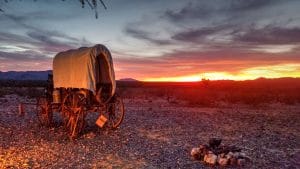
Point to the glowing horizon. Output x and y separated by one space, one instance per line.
277 71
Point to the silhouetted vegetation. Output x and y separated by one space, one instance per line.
23 83
30 88
204 93
93 4
214 93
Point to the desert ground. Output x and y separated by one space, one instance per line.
156 133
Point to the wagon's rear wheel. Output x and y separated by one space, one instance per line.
44 111
116 112
73 111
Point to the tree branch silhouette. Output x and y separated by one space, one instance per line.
92 4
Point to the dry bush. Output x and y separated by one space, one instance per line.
205 93
196 97
34 92
209 93
31 92
6 91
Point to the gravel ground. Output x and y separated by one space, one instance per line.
154 134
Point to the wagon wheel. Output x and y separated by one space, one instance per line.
44 111
73 111
116 112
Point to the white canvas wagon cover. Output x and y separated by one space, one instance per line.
84 68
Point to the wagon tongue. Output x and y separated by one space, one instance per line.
101 121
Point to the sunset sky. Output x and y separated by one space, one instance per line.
159 40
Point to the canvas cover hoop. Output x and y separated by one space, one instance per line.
85 68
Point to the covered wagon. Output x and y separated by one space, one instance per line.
83 81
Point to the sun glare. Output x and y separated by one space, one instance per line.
276 71
192 78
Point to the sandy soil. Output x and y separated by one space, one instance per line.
154 134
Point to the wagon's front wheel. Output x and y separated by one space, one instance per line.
73 109
44 111
116 112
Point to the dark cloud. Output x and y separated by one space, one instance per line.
20 20
271 35
48 43
268 35
208 35
208 9
10 38
146 36
181 63
43 41
197 20
193 35
39 14
241 5
42 38
221 25
190 11
199 35
229 55
34 46
25 60
23 56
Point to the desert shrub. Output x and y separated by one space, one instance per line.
20 91
161 92
31 92
2 92
196 96
5 91
34 92
205 101
208 93
288 98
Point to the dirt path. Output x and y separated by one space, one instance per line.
154 134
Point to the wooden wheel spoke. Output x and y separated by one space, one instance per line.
115 112
73 108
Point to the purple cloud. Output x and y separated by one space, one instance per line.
146 36
271 35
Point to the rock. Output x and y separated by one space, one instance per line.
242 155
204 149
222 155
247 158
241 162
222 161
229 155
90 135
201 146
220 150
210 158
234 148
232 161
214 142
196 153
236 155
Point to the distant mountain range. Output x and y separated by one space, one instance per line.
34 75
128 80
25 75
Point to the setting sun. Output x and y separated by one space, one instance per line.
192 78
276 71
